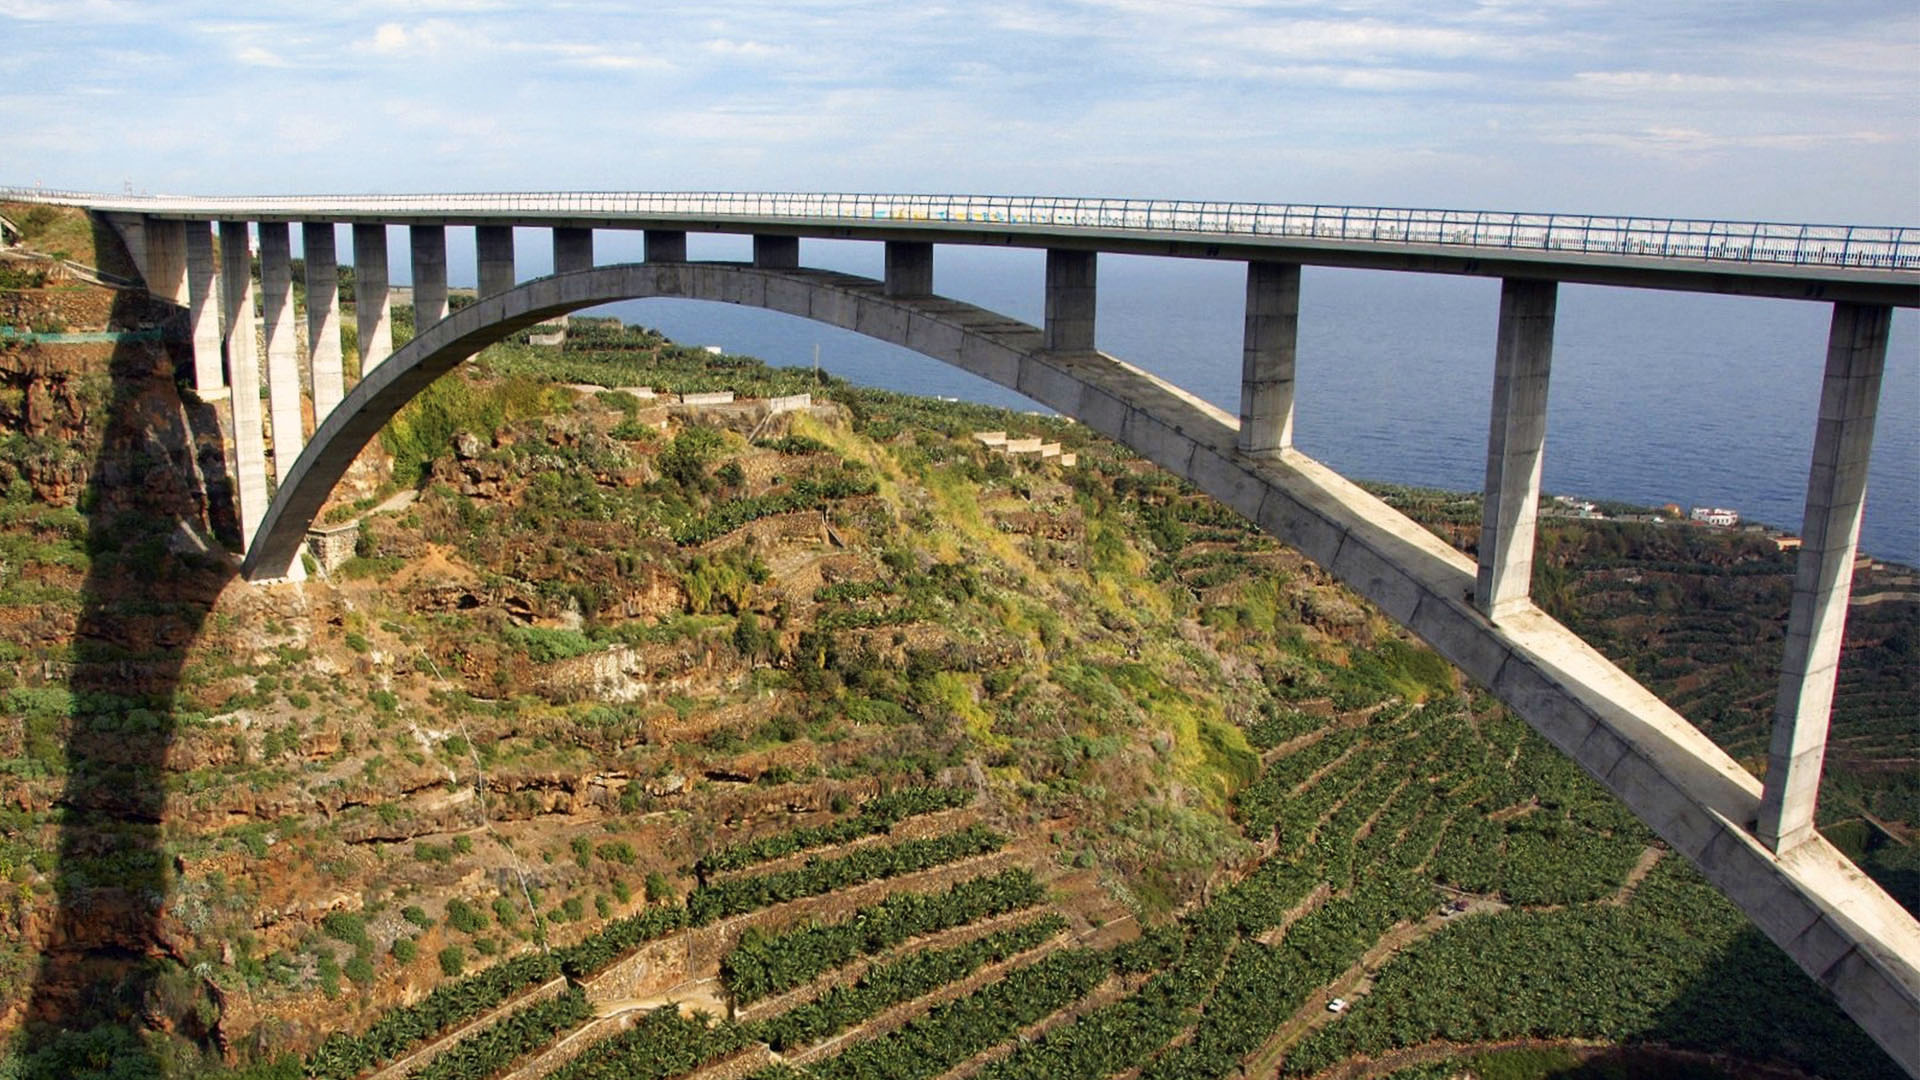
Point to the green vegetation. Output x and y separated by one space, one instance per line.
902 980
824 875
1677 965
342 1056
490 1050
765 964
880 814
956 1030
660 1045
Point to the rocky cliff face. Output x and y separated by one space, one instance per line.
114 488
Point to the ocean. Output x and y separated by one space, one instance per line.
1656 397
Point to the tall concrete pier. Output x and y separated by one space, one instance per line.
1070 300
1266 361
243 367
1830 534
372 300
493 250
283 354
427 244
317 243
1516 445
206 301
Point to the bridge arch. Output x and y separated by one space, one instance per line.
1847 934
987 344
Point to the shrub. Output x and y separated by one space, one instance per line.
504 912
659 889
453 960
329 971
464 917
686 458
345 926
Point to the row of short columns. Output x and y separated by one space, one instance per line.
217 292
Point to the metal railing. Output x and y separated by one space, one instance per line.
1858 246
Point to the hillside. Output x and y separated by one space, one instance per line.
889 753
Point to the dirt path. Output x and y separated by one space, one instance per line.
1355 982
698 995
1649 859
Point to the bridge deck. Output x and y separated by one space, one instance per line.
1862 264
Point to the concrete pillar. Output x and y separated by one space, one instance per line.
1070 301
1830 530
666 246
243 367
283 352
372 302
909 268
429 250
572 250
205 301
494 246
1266 360
323 317
166 269
776 252
1516 439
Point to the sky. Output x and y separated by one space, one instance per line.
1782 110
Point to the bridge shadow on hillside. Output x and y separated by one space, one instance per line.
111 970
1754 1001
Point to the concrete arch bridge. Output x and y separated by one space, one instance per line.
1754 841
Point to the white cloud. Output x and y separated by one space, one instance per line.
1534 102
1679 82
389 38
745 49
1682 141
425 39
72 11
257 56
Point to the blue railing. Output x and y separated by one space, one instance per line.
1866 247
